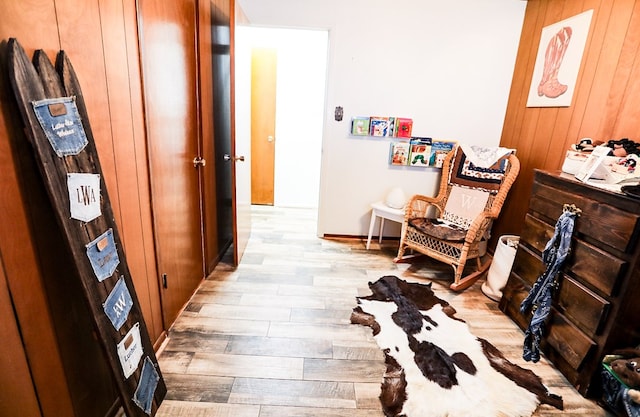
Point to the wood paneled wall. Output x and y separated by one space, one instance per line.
13 362
606 101
100 37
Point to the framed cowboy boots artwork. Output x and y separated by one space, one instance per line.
558 61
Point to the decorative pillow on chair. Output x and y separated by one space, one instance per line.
464 205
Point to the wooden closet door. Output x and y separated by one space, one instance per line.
169 58
264 63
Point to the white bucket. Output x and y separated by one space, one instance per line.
500 267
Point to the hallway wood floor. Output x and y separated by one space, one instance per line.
272 337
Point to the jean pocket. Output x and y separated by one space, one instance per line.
118 304
60 120
103 255
147 385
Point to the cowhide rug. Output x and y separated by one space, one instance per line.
435 366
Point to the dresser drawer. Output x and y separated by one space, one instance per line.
586 309
512 295
568 341
536 232
603 223
582 307
597 268
527 265
561 333
591 265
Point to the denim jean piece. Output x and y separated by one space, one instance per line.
118 304
541 294
103 255
143 397
60 120
130 351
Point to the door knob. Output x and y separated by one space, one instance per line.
199 161
228 157
269 138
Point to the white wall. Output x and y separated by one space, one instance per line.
446 64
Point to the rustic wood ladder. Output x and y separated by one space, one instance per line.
48 98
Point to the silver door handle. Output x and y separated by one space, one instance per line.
228 157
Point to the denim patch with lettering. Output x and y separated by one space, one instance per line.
103 255
60 120
143 397
118 304
84 196
130 351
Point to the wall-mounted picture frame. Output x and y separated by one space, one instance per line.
558 61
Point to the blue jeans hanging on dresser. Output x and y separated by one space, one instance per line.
541 294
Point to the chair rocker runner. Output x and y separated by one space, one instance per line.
451 226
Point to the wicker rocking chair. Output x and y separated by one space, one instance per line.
451 226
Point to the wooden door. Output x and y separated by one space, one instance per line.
263 124
211 104
241 146
169 58
227 221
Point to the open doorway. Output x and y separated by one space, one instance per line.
300 77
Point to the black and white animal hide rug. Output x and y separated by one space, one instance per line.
435 366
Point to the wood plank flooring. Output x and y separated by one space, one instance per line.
272 337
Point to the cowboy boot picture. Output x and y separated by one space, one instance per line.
549 85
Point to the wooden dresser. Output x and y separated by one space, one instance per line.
596 308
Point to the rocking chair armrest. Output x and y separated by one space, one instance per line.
479 226
418 205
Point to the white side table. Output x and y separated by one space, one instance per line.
380 209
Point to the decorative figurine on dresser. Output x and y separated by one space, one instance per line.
596 298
